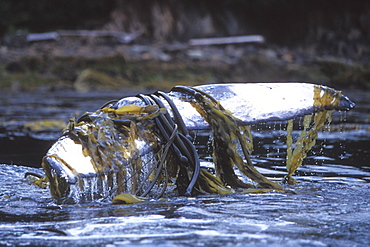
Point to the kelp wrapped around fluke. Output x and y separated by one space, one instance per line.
142 146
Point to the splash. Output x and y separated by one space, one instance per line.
323 99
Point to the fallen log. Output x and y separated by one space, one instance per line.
227 40
119 36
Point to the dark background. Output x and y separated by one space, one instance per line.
339 27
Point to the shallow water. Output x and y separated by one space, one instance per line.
329 206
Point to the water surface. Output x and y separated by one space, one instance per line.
328 206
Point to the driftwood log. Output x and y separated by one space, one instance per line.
121 37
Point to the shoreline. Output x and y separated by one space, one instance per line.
75 65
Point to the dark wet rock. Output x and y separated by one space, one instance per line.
94 80
345 73
14 67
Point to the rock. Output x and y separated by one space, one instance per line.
94 80
14 67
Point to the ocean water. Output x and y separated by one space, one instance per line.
327 207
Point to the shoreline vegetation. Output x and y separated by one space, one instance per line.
87 65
